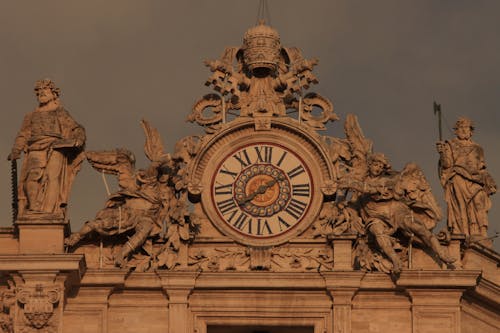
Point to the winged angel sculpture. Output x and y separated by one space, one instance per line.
387 208
151 204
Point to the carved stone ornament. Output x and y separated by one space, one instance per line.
37 304
7 303
276 259
261 79
53 144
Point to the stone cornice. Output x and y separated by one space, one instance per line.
43 262
488 290
486 252
438 279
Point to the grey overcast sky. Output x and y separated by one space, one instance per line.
118 61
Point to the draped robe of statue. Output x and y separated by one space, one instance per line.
53 145
467 186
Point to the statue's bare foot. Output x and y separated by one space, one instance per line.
72 239
396 267
119 261
447 259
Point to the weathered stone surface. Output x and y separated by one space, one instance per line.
260 224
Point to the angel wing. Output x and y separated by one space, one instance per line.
120 162
413 186
153 147
360 146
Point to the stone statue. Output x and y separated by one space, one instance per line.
391 201
466 182
151 202
53 146
138 207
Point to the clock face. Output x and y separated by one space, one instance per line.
262 190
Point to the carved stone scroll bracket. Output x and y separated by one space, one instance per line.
39 296
262 123
38 305
178 286
195 188
311 101
213 105
41 282
260 258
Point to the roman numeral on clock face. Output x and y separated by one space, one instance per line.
243 158
223 189
296 171
225 206
263 227
264 154
226 171
296 208
301 190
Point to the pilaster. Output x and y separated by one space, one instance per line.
342 286
178 286
435 297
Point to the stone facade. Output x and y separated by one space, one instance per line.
259 225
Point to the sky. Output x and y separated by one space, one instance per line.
386 61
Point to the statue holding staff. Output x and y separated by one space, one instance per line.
466 182
52 142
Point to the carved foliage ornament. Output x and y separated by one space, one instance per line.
38 304
261 79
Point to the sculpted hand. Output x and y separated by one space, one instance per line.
440 146
14 155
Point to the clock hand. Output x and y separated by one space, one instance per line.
260 190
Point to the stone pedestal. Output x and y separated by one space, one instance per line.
342 251
40 235
454 249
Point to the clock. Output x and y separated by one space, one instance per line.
262 190
261 187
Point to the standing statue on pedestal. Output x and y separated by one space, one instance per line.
466 182
53 146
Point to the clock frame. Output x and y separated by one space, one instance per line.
283 135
